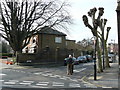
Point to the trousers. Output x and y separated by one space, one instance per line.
69 69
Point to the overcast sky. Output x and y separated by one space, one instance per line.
78 8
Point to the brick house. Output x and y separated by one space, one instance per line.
48 45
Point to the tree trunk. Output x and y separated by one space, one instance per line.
106 55
17 56
99 58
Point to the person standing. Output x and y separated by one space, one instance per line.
69 65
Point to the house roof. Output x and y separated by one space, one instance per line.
49 30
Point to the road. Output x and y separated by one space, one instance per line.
45 77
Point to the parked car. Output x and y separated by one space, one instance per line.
75 61
89 58
111 57
65 61
82 59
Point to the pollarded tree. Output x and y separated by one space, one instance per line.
104 40
94 29
22 19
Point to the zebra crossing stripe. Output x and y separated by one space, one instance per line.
52 76
25 83
38 86
42 83
57 76
13 81
49 74
28 81
9 82
2 74
1 80
44 74
38 73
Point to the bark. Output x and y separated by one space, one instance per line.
17 56
106 55
99 58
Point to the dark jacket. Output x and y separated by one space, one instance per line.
69 61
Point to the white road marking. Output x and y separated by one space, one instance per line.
1 80
87 64
106 87
38 73
79 70
74 85
43 83
90 85
1 74
9 82
38 86
58 84
58 76
44 74
49 74
13 81
63 78
23 72
66 77
25 83
75 80
28 81
52 76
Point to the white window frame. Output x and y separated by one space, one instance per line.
58 39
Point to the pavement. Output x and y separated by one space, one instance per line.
107 79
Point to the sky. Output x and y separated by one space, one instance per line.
78 8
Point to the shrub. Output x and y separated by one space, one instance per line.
6 54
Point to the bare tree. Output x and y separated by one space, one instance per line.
104 40
21 20
94 29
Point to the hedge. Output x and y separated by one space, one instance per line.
6 54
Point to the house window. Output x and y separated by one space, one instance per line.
58 39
